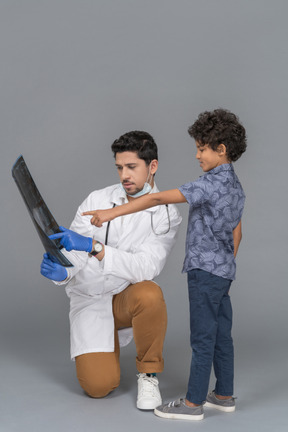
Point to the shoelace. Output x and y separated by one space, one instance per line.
150 386
174 403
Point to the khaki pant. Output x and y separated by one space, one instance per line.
142 307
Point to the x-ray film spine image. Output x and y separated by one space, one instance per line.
42 218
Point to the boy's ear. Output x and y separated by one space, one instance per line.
221 149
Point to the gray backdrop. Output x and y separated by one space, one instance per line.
75 75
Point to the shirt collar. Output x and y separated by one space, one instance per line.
119 197
220 168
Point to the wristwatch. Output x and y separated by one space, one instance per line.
98 247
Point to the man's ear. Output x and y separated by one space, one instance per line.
221 149
154 166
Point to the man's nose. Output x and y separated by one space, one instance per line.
125 173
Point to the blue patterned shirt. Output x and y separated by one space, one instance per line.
216 203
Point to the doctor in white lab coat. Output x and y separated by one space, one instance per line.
111 289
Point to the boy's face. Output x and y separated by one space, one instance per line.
209 158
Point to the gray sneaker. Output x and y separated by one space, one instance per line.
227 405
179 410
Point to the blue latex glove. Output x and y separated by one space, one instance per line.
52 270
73 241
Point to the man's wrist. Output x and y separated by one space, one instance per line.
90 245
93 244
64 281
101 254
97 252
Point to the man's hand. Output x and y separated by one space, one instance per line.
100 216
73 241
52 270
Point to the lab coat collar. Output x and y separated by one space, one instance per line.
119 197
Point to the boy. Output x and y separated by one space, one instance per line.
216 203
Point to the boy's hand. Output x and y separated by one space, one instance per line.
52 270
100 216
73 241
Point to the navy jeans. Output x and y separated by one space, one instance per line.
211 341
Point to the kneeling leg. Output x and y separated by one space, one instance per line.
98 373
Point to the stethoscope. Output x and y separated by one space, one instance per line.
152 226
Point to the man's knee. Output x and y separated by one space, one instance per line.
148 294
99 388
98 373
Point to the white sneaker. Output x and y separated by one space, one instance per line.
149 396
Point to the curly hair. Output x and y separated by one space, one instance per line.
220 127
137 141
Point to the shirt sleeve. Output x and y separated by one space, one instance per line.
196 193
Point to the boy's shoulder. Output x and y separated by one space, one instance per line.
217 182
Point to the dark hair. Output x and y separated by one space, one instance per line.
137 141
220 127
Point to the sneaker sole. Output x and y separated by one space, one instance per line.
174 416
219 407
146 406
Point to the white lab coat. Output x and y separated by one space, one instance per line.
134 253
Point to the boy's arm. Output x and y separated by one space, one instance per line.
237 236
172 196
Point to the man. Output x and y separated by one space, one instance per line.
110 287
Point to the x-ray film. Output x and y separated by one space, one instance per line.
42 218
